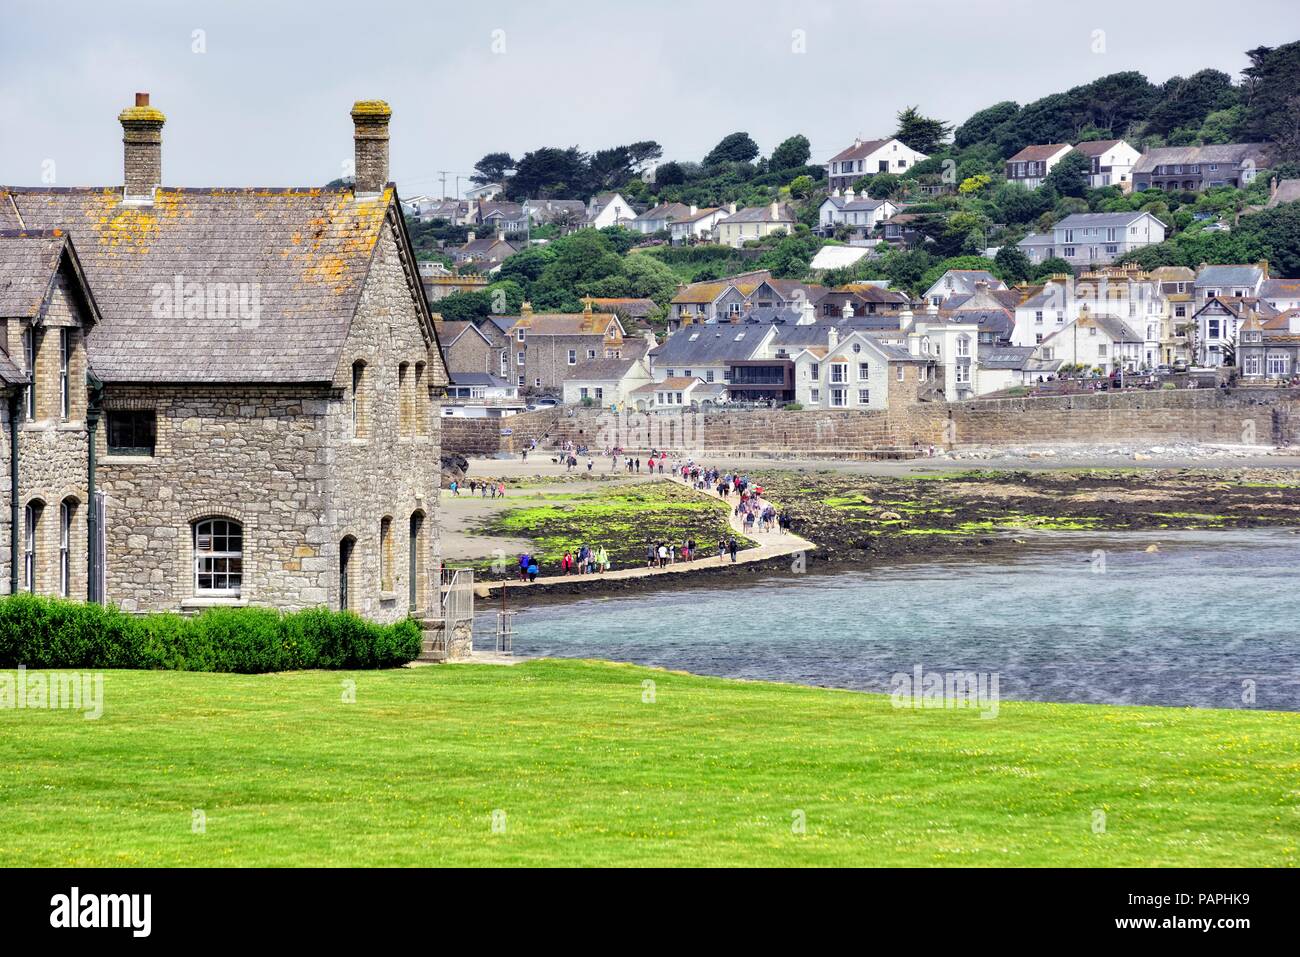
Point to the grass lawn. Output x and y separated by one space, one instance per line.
711 772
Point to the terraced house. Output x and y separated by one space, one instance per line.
218 396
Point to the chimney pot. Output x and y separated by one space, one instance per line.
141 149
370 138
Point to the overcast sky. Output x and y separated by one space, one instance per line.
266 101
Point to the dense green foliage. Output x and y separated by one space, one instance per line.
46 633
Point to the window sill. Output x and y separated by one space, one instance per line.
111 459
387 596
214 601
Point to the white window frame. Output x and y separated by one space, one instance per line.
65 550
207 558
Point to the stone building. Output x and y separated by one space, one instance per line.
549 346
258 371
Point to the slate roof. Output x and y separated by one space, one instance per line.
857 205
305 252
1006 357
1093 220
479 378
630 307
988 320
1280 289
1232 154
1229 275
29 262
1039 153
1096 147
449 332
762 214
674 383
665 211
858 150
698 344
601 370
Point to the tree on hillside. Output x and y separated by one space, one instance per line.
921 133
1069 177
982 127
492 168
550 173
792 153
1011 265
1187 102
669 174
733 148
1271 80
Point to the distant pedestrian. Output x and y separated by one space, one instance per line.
731 547
532 570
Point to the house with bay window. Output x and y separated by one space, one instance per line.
1270 349
219 396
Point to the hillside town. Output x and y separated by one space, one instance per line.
1165 257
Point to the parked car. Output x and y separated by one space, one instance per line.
1180 365
1164 369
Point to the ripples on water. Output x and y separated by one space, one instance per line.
1184 626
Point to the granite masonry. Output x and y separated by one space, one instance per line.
261 376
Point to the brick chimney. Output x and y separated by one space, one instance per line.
141 149
370 136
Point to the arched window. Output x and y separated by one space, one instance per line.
404 404
360 419
31 535
67 515
415 559
345 571
218 557
420 403
386 554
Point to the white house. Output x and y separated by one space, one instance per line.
1094 239
867 158
609 209
952 345
855 371
1112 163
700 224
481 395
859 212
960 282
661 217
1095 342
605 382
678 392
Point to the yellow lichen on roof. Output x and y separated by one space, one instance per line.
129 228
353 229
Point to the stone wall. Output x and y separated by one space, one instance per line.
287 464
1237 417
380 487
762 431
52 452
471 436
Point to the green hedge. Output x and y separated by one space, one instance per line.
46 633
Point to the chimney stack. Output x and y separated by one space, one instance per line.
142 149
370 136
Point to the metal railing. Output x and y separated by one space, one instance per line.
456 594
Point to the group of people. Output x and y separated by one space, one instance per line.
662 554
585 560
484 489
